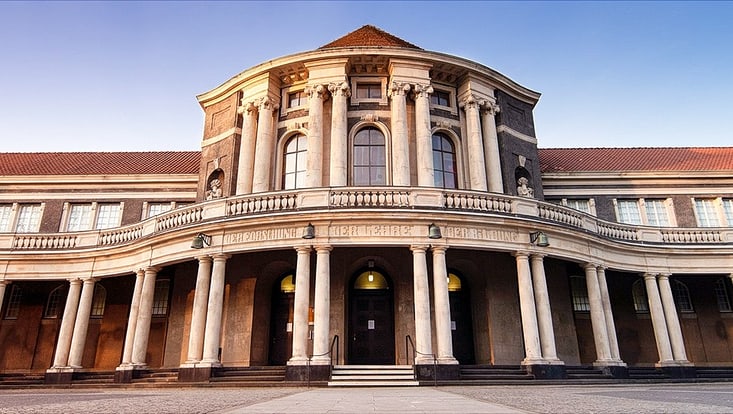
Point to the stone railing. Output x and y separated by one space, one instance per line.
324 199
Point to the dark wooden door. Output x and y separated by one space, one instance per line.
281 328
461 327
371 328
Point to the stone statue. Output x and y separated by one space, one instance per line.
523 188
215 189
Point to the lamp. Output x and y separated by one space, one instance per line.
539 238
309 232
200 240
434 232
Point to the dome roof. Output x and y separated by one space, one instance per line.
369 36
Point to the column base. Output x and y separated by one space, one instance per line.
194 373
430 372
305 373
59 375
324 360
297 361
679 370
546 370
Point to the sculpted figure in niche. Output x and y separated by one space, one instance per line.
523 188
214 189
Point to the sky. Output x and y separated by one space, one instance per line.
123 76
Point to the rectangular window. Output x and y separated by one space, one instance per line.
29 218
722 295
440 98
656 213
108 216
581 205
6 211
628 211
80 216
296 99
707 215
13 307
160 298
728 209
158 208
579 292
369 90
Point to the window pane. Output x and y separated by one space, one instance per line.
681 296
108 216
444 159
369 157
656 213
582 205
376 156
160 298
638 292
728 208
579 293
53 304
706 214
158 208
13 307
378 176
29 218
99 300
5 211
294 161
722 295
361 175
628 212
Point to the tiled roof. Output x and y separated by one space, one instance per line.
369 36
99 163
554 160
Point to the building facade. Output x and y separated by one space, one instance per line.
368 202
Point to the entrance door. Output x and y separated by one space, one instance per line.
371 322
281 321
461 321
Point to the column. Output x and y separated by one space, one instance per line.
597 317
245 167
658 323
61 357
198 315
81 325
338 172
264 146
476 163
608 314
442 307
300 307
132 318
533 353
424 136
491 148
544 313
144 317
314 161
3 284
423 336
673 323
212 336
322 321
400 143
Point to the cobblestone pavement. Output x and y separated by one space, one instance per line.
641 399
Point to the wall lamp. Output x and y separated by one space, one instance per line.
539 238
434 232
200 240
309 232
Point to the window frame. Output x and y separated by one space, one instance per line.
161 302
15 299
639 297
722 296
454 151
721 208
580 301
643 213
18 212
361 80
352 146
298 153
92 221
55 301
285 101
452 106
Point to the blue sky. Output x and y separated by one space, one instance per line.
111 76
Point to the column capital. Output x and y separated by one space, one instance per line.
422 90
323 248
266 104
152 269
439 248
74 280
490 108
90 279
519 254
303 249
470 102
399 88
247 107
648 276
5 282
535 255
221 256
204 258
140 271
590 265
340 89
419 247
316 91
664 276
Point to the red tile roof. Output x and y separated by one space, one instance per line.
369 36
99 163
554 160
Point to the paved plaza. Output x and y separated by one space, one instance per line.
658 398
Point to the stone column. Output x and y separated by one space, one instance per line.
338 172
597 316
400 141
544 313
144 317
423 336
322 305
424 136
302 302
442 307
476 163
245 167
212 335
81 326
61 357
491 148
673 324
608 314
198 315
314 161
264 148
132 318
533 353
658 323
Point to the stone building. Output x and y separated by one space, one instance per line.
366 203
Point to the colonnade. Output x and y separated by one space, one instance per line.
667 331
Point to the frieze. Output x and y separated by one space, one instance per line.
480 234
371 230
263 235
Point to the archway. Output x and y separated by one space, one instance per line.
371 319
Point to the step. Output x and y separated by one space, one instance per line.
384 383
368 371
371 377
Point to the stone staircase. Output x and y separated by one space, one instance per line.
493 374
21 380
646 373
372 376
156 376
265 376
586 373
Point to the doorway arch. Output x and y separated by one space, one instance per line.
371 319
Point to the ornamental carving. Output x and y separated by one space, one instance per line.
267 104
422 90
490 108
470 102
399 89
523 188
247 107
316 91
340 89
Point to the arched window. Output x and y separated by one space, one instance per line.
638 293
682 297
370 161
444 162
579 292
287 285
54 303
98 301
294 162
13 307
371 279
